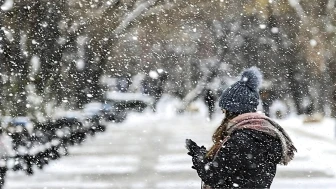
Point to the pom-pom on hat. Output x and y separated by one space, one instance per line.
243 96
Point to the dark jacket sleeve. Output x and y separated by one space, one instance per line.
232 157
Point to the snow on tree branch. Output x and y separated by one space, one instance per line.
331 4
298 8
142 7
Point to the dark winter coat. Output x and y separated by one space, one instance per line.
249 155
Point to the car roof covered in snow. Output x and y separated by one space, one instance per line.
117 96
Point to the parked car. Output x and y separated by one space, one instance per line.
129 101
92 109
20 130
108 111
23 123
114 112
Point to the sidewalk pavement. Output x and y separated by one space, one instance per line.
147 152
316 144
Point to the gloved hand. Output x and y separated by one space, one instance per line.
194 149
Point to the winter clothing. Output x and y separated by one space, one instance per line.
209 99
243 96
250 145
252 148
123 83
153 85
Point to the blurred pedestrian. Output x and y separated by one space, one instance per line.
153 85
247 145
209 100
267 96
123 83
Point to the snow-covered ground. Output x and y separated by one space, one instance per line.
147 151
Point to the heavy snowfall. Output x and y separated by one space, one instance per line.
103 93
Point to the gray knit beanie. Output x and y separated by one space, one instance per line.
243 96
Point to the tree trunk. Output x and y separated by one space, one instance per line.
332 71
20 67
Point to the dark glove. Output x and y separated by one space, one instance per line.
197 153
192 147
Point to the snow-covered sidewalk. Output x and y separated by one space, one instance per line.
315 141
316 154
147 151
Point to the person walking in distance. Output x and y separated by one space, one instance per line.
209 100
247 146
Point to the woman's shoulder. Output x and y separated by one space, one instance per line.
251 134
256 143
249 138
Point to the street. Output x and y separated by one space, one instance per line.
147 151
